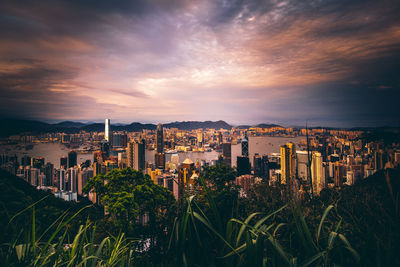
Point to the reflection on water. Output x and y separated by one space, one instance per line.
52 152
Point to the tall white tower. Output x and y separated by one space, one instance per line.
107 130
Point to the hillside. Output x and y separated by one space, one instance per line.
16 195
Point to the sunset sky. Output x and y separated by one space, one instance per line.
331 63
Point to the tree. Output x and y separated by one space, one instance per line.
219 181
219 177
135 204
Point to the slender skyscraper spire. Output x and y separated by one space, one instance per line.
107 130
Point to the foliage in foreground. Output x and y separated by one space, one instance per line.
316 234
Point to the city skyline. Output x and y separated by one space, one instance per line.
331 63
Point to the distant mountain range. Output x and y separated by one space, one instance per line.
15 126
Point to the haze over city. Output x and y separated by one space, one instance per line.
331 63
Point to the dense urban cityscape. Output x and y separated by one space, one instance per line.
210 133
334 158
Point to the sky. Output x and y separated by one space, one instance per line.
328 63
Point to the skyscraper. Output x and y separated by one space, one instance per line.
160 138
245 147
318 177
72 176
135 154
64 163
49 173
72 159
226 153
243 165
107 130
159 160
62 180
288 164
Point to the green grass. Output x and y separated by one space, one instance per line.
359 228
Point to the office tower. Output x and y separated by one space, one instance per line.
116 140
380 160
72 177
220 139
27 174
245 147
107 130
339 174
48 173
64 163
34 176
37 163
159 160
243 165
160 138
257 165
135 154
105 149
72 159
96 168
226 153
288 163
83 177
265 168
317 173
62 181
42 179
302 165
124 140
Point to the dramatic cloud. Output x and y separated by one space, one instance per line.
333 63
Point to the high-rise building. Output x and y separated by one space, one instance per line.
288 163
159 160
135 154
266 165
34 177
107 130
83 177
105 149
160 138
37 162
302 165
220 139
243 165
257 165
48 173
226 153
116 140
317 173
64 163
72 177
339 174
380 159
245 147
72 159
62 181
